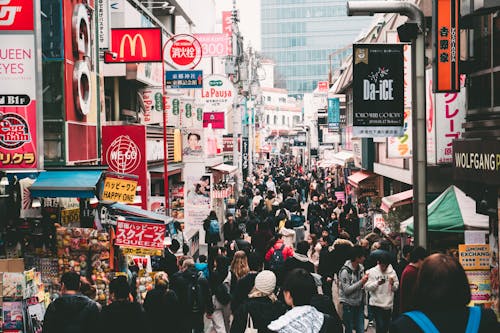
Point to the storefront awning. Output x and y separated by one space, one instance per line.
137 214
358 177
172 168
342 157
395 200
225 168
66 184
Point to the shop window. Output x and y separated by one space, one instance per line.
496 43
480 92
53 90
52 36
53 143
482 42
496 88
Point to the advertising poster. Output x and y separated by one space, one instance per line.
480 286
193 145
378 90
13 317
197 199
124 151
18 118
333 114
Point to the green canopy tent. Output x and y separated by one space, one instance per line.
452 211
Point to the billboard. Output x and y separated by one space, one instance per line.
19 147
124 151
197 198
132 45
192 143
445 25
334 114
378 90
214 45
217 93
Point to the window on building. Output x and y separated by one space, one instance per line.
275 122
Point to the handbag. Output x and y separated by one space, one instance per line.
250 328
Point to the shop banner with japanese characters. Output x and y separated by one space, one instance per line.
445 117
18 84
218 93
378 90
140 234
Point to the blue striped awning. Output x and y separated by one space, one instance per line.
66 184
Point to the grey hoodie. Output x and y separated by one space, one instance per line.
350 285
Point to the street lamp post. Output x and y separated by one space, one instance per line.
416 34
165 118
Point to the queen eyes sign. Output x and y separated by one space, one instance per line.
378 90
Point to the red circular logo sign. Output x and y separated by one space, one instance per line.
123 155
184 51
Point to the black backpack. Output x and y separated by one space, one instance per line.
195 300
277 259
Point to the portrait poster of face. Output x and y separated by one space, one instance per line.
192 145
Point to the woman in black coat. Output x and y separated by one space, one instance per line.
161 306
262 305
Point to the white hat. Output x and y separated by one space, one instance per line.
265 282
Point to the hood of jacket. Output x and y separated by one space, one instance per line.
300 319
301 257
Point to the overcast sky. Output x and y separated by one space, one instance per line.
249 19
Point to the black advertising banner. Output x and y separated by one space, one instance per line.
378 90
477 160
244 157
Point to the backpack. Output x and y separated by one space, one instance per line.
195 295
277 259
214 227
427 326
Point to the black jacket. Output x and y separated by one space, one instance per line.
123 317
243 287
262 310
448 321
180 284
161 306
231 231
209 237
292 263
71 314
168 263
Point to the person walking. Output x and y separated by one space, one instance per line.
409 279
72 312
161 306
382 283
261 307
211 226
299 259
442 295
221 296
352 280
122 315
246 283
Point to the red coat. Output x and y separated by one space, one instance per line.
287 251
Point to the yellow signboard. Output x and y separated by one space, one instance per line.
134 251
71 215
119 190
474 257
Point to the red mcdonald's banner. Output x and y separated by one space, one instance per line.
134 45
446 14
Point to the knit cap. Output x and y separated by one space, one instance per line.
265 282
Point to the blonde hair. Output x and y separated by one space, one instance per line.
161 279
239 265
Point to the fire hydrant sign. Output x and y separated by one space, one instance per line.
474 256
140 235
119 190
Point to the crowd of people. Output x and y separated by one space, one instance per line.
288 259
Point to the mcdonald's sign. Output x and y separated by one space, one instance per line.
134 45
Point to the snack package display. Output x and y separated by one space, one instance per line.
13 316
144 283
13 286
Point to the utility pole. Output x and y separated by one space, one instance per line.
236 114
413 31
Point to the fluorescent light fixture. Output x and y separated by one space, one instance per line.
4 181
36 203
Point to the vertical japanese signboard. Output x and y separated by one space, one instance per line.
244 157
446 45
378 90
333 114
18 86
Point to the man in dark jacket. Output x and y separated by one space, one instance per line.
161 306
194 297
298 260
168 263
72 312
122 315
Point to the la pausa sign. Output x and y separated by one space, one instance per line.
217 93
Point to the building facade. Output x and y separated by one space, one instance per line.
314 31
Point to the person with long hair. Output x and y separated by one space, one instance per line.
238 269
221 296
442 294
314 250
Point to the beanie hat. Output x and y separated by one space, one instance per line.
265 282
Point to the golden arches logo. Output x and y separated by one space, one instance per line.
132 42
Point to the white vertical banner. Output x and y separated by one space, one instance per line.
430 116
103 28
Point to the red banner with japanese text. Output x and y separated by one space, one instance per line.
140 234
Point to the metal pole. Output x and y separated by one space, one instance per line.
419 158
165 145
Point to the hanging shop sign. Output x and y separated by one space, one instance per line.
227 27
334 114
17 15
124 151
474 256
378 90
103 18
132 45
134 251
214 45
119 190
445 25
214 119
478 160
18 83
244 157
184 50
398 147
151 101
140 234
217 93
183 79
